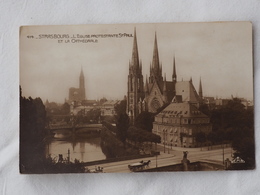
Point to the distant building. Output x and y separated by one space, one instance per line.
78 94
210 102
157 91
222 102
108 108
77 98
179 122
83 107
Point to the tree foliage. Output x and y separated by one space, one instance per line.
233 123
139 135
145 121
120 108
122 126
32 132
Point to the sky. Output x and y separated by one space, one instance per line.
220 53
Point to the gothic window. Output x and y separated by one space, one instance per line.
155 104
131 99
138 84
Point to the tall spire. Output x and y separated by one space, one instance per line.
81 72
82 85
155 63
174 75
191 79
146 85
164 83
200 90
135 57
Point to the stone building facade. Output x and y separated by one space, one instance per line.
78 94
157 92
179 122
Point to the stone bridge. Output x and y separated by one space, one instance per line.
91 127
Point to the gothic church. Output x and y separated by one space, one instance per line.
156 92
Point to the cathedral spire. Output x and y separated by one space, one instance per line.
155 63
200 90
140 67
135 57
81 72
174 75
146 85
164 83
82 85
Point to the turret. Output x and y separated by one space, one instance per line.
135 57
174 75
155 72
200 90
82 86
146 86
165 89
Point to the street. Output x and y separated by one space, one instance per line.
174 156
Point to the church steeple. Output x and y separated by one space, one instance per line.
82 85
155 63
165 89
146 86
156 70
135 57
174 75
135 93
164 84
200 90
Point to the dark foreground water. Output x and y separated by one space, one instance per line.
84 150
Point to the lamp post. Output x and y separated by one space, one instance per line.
156 154
223 153
164 139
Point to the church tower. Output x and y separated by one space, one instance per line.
155 68
135 90
82 92
200 91
174 77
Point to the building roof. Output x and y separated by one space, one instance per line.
187 91
184 109
110 103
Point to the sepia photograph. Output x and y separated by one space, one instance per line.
125 98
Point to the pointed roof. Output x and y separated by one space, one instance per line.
155 63
184 109
135 57
146 85
187 91
164 83
81 72
174 75
200 89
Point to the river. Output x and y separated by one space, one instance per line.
84 150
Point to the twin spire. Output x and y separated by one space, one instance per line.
155 66
134 64
155 62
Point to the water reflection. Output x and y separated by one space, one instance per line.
83 150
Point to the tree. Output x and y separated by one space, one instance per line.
120 108
235 124
204 109
122 126
32 132
200 137
145 121
65 109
